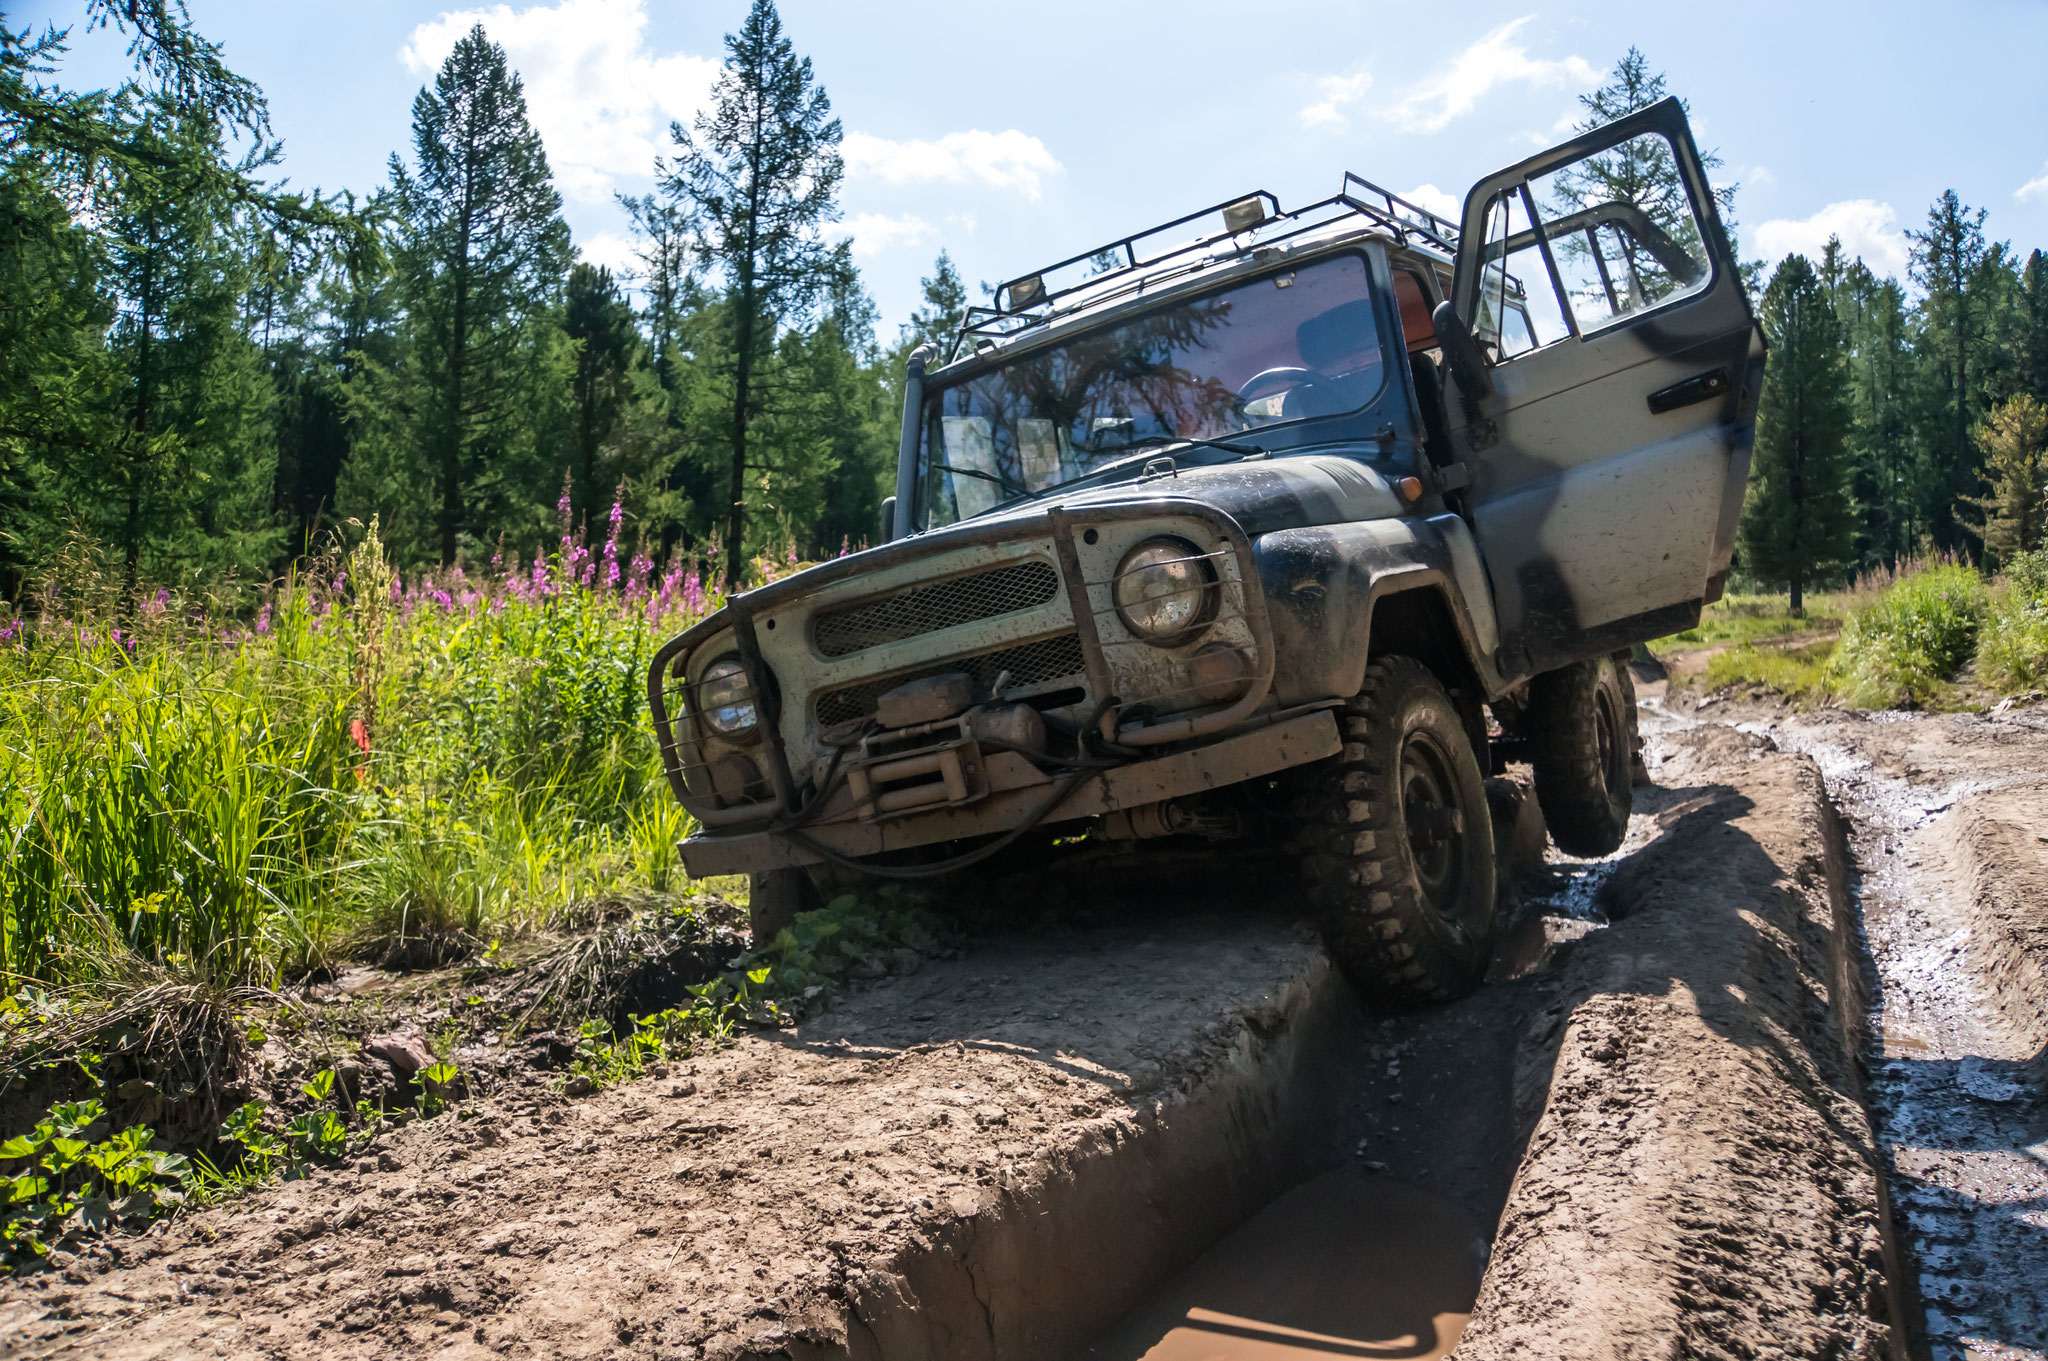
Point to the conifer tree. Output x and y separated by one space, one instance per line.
760 179
1946 260
1797 520
480 251
2014 438
2034 325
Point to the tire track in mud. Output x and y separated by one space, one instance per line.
1957 1011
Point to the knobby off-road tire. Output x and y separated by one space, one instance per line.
1581 725
1400 854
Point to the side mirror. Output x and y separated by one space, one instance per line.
1462 353
887 529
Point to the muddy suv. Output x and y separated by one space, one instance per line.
1263 546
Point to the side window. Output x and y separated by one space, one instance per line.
1623 236
1623 230
1518 309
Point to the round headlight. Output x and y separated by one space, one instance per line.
725 699
1165 591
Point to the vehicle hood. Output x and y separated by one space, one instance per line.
1262 495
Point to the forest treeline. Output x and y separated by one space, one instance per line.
199 372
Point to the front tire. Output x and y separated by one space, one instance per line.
1400 859
1582 726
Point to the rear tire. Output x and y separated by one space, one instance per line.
1582 728
1400 861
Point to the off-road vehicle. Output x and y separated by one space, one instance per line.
1235 533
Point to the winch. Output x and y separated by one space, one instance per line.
928 752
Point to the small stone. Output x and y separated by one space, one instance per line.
579 1085
447 1318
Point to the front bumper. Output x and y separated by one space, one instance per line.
1244 755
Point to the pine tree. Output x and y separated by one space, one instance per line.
1642 171
480 251
1946 260
760 179
2014 438
2034 325
1798 522
185 483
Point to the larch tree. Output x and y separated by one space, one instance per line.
760 179
480 251
2014 438
1798 521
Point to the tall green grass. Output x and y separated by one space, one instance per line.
2012 651
360 764
1913 639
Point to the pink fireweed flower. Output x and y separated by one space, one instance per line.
845 544
443 599
263 619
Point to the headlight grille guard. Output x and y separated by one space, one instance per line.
1251 602
741 610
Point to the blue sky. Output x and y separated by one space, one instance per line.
1017 134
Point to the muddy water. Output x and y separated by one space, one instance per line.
1346 1264
1964 1132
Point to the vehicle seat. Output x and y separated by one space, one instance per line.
1429 395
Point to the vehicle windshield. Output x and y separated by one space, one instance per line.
1292 346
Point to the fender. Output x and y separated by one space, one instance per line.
1324 583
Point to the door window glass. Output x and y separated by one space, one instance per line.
1623 230
1518 309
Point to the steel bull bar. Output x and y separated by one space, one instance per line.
746 838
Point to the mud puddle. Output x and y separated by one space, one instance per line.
1955 1066
1346 1264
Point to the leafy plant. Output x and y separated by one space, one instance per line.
67 1184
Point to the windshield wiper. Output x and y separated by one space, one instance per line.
1005 483
1148 449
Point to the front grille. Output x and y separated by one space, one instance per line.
1030 666
928 609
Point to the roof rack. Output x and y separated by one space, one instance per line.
1250 220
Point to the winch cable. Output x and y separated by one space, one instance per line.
1066 785
1039 814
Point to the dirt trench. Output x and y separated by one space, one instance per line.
1951 847
1177 1135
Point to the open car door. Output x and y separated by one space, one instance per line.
1608 431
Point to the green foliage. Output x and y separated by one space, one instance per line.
1901 649
760 179
1800 674
2015 442
1797 522
62 1182
2012 651
410 769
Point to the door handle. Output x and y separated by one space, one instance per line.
1701 387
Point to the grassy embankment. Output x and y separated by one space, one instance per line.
1932 635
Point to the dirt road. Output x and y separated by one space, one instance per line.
1180 1134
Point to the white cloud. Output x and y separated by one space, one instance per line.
2034 188
1001 160
1338 94
1867 228
1494 60
611 250
601 100
874 233
1436 200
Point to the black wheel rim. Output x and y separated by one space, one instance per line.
1435 825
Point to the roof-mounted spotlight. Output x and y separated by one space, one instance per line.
1244 214
1019 294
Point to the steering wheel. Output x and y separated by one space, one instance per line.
1286 378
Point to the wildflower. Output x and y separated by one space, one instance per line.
359 734
443 599
845 541
263 620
